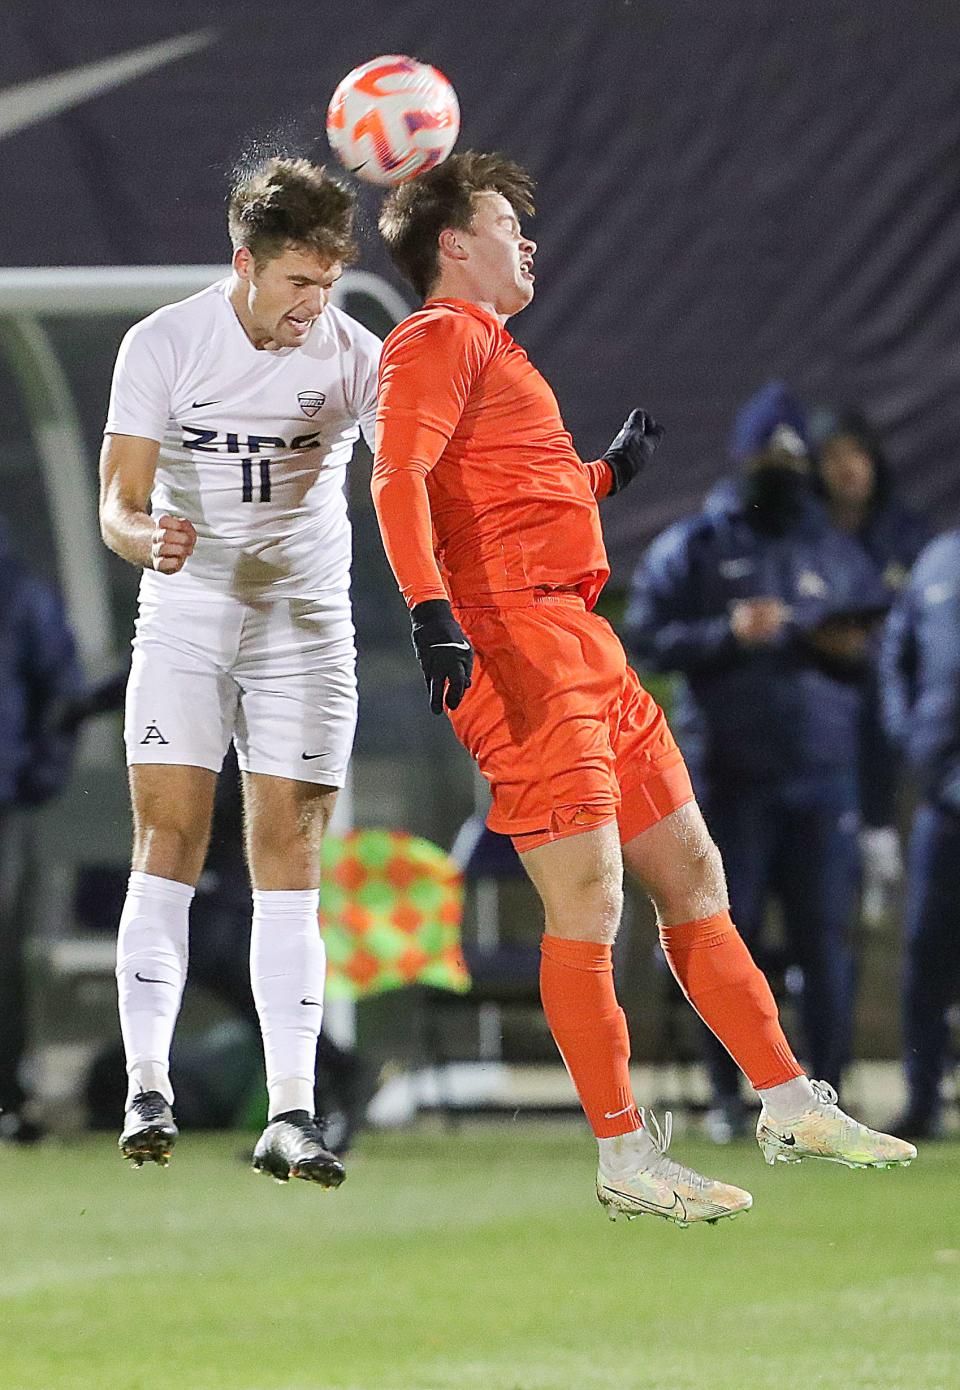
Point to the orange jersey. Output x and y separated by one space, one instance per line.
478 488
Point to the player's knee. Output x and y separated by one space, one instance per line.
170 848
707 872
698 888
590 906
298 833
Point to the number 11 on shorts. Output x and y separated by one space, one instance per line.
246 466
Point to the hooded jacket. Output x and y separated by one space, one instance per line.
765 712
920 671
892 533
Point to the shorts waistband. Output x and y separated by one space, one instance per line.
522 598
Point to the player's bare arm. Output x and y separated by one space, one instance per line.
127 467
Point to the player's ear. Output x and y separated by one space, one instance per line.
243 262
451 244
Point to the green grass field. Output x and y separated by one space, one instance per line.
474 1261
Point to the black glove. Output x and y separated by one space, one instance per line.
633 447
445 655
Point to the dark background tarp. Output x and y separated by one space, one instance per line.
726 192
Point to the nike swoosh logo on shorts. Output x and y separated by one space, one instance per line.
315 1002
146 980
308 757
198 405
460 646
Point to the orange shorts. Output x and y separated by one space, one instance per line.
561 727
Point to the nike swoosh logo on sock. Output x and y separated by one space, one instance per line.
146 980
615 1114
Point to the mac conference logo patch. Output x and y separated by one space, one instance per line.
310 402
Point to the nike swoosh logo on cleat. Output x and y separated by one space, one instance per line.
675 1208
789 1140
146 980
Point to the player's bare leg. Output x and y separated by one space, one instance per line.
579 879
285 824
680 867
172 808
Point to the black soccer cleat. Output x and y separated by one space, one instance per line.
149 1130
291 1146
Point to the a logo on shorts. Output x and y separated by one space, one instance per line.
311 401
153 735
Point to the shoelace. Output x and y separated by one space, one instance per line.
665 1167
150 1107
824 1092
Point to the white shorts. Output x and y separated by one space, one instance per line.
277 676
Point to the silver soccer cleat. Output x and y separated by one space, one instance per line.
827 1132
668 1189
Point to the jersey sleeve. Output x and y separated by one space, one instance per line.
361 392
428 369
143 382
601 478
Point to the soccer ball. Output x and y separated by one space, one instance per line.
392 118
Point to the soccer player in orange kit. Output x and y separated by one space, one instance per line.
490 521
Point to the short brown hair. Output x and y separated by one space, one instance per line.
416 212
291 202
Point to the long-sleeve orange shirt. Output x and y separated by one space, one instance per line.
478 489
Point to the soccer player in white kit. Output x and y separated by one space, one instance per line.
232 418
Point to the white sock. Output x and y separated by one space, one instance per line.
625 1153
152 948
789 1100
288 967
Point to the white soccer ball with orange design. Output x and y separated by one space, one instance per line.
392 118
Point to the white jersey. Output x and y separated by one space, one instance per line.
253 444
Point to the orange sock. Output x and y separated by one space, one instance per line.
717 974
588 1026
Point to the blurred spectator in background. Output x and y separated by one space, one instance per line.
920 668
39 675
766 610
855 482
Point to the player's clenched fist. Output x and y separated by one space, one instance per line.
633 448
173 540
445 655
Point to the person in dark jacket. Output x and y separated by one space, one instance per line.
38 676
766 608
920 667
853 477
